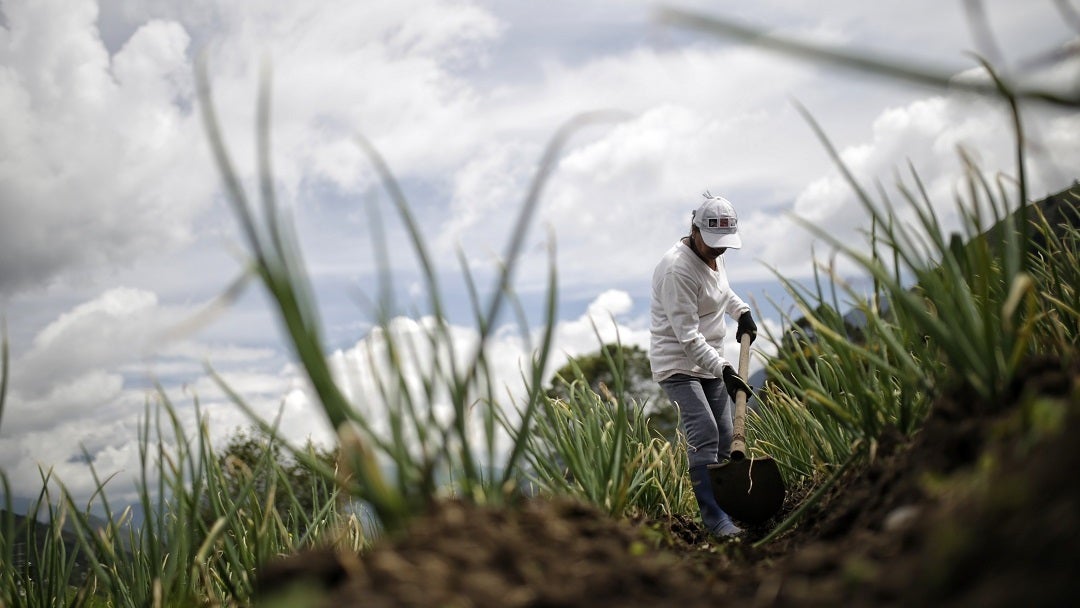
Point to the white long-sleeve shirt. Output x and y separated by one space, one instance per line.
689 301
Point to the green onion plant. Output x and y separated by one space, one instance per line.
601 448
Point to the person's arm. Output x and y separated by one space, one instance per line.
679 298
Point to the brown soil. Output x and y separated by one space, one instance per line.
980 508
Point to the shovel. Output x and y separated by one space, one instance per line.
750 490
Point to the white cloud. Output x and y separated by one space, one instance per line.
926 136
86 382
108 158
66 398
99 334
410 75
341 68
104 160
364 367
612 302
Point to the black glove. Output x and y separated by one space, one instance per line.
734 383
746 326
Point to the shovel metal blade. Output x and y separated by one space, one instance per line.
750 490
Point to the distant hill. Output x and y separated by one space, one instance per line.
29 533
1061 209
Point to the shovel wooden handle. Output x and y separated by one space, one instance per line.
738 434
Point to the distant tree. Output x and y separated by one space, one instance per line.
252 462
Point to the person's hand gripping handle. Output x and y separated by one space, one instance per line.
742 392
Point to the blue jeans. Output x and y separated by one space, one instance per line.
704 415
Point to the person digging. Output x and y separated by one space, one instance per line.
690 298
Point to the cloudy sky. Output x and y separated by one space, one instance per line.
115 232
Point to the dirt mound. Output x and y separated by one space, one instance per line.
980 508
543 553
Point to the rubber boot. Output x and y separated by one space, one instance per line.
716 521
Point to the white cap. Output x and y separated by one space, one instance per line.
718 223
